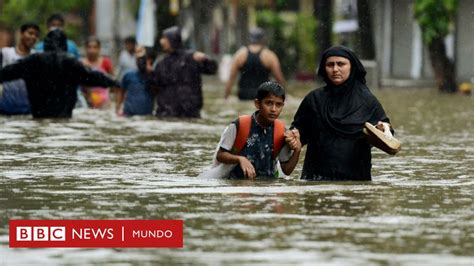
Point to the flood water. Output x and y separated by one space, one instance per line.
418 210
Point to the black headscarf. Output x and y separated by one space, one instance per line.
55 41
349 105
173 34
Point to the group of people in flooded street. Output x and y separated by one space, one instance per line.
50 80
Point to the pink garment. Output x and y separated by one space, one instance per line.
98 97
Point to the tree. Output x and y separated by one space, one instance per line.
164 17
366 39
323 13
201 21
14 13
435 18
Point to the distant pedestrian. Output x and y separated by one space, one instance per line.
14 96
178 77
56 21
255 62
138 97
127 60
97 97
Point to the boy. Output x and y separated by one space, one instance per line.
252 145
127 57
56 21
138 96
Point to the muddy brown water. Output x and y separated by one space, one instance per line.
417 210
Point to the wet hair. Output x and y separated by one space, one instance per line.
150 53
270 87
173 34
256 35
54 17
92 39
55 41
130 39
29 25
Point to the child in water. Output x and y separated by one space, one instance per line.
252 145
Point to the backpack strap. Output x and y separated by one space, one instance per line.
243 131
1 58
278 137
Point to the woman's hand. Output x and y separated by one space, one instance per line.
380 126
199 57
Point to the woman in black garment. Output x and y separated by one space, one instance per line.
330 120
178 77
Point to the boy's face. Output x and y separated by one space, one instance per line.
130 47
29 37
270 107
55 24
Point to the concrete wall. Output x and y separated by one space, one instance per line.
113 21
382 37
402 34
464 42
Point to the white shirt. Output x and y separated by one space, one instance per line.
220 170
10 56
228 139
127 62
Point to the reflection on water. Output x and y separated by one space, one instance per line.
418 209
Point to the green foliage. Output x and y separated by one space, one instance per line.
15 13
133 6
296 49
302 38
281 4
273 25
268 18
435 17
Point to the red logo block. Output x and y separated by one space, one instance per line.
96 233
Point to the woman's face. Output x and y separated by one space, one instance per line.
93 49
338 69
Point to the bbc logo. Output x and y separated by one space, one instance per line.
41 233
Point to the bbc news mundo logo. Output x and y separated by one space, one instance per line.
96 233
41 233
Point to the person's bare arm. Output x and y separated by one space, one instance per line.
229 158
289 166
199 56
119 98
239 60
275 68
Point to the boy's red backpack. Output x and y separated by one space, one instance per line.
245 122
